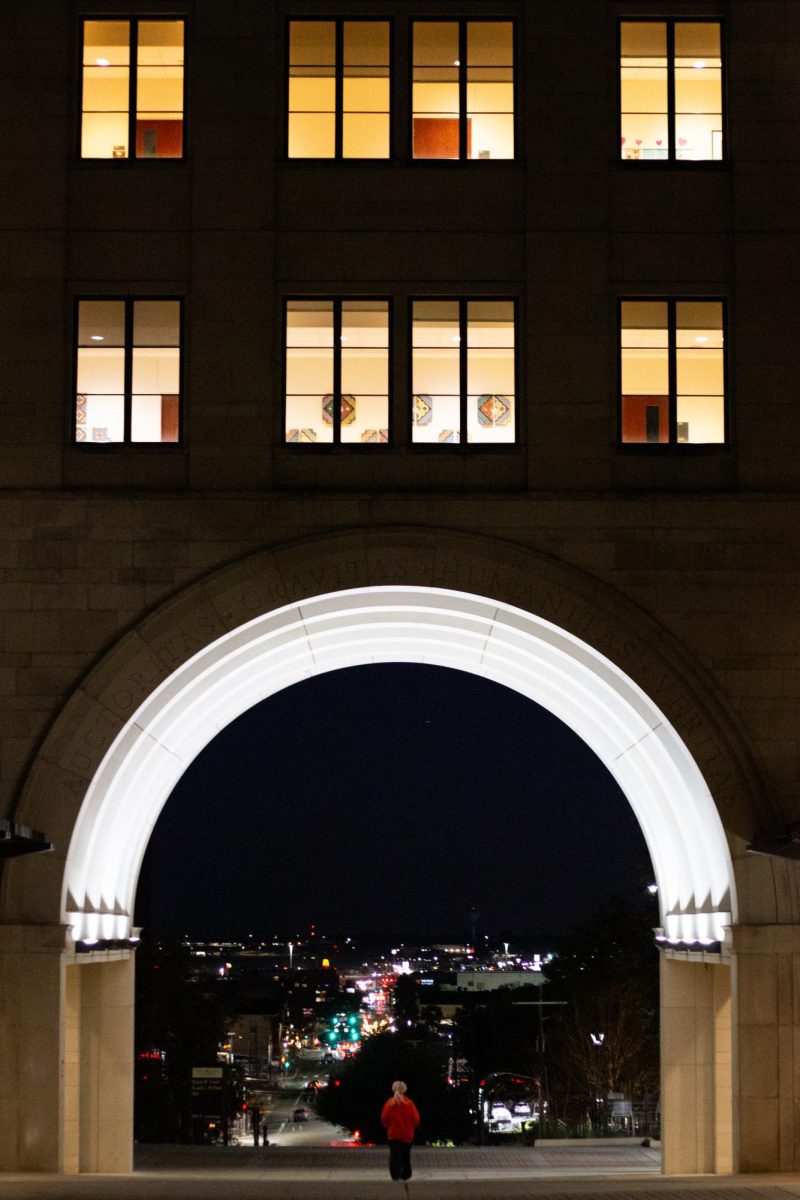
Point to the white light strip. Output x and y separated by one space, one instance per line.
423 625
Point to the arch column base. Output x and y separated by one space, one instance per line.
66 1055
33 1081
696 1061
100 999
766 972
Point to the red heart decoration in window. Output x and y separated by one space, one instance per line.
622 141
681 141
638 141
658 141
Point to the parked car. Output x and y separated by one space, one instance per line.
301 1114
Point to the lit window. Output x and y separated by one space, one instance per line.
339 89
464 372
132 89
337 371
671 90
673 371
128 371
463 89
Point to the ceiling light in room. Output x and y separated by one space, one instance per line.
103 62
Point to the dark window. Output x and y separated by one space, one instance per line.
132 103
671 91
339 79
463 89
672 372
128 371
337 371
464 372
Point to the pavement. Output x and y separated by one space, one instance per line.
547 1172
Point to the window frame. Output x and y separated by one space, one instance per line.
672 445
337 157
463 446
336 445
133 22
462 22
671 161
126 443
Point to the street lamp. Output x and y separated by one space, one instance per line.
291 951
597 1039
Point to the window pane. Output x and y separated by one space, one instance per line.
159 90
366 43
436 375
309 370
156 323
698 91
100 417
365 88
365 371
490 89
365 135
312 43
100 403
106 82
155 417
101 323
643 87
312 89
645 371
435 90
156 371
490 372
312 135
700 372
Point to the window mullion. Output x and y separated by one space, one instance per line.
462 90
128 371
133 69
339 90
671 148
672 337
337 372
463 331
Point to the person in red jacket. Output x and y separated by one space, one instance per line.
399 1118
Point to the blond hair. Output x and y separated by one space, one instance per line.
398 1090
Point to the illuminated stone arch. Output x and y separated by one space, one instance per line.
484 606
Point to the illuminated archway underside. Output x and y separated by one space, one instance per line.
634 740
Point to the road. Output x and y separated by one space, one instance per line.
284 1131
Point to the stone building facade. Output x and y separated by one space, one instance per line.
677 560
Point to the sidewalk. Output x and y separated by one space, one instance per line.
239 1173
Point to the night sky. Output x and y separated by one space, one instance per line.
391 799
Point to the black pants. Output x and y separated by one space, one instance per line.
399 1159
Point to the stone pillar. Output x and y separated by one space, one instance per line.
106 1065
32 1047
72 1068
695 1067
766 1008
